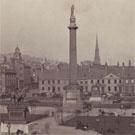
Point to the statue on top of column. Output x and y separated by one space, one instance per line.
72 10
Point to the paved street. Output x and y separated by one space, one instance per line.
55 129
121 125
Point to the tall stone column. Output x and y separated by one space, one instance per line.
72 49
72 94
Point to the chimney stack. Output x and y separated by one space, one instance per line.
123 64
118 64
129 63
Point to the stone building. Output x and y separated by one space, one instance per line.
23 71
18 65
8 80
110 80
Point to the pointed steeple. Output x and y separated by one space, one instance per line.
97 57
17 54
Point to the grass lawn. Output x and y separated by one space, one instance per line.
119 125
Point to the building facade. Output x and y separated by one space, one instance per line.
109 79
8 82
23 71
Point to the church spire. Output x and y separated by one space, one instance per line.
97 57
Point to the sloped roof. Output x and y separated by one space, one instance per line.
98 72
53 75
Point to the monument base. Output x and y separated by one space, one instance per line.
17 113
72 100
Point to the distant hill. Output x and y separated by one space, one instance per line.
33 60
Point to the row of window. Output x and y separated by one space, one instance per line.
115 88
9 76
130 88
130 81
101 81
81 82
10 82
51 81
53 88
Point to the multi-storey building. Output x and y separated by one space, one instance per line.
8 82
18 65
129 80
113 79
110 81
27 76
23 72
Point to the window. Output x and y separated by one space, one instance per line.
53 89
58 89
115 88
86 82
53 81
48 81
81 87
120 88
109 88
42 88
58 81
81 82
48 88
92 81
132 81
102 81
97 81
109 81
119 81
115 81
86 88
42 81
126 81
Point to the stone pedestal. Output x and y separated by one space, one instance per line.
17 113
72 98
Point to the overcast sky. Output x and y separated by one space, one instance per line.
39 27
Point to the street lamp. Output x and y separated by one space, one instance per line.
9 127
97 120
118 121
132 124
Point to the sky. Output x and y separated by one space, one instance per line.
39 28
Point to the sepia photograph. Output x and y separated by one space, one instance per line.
67 67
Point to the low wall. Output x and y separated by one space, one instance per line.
33 109
14 128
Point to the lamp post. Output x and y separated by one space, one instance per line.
133 126
118 121
97 120
9 127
